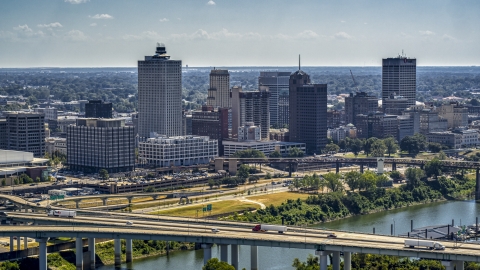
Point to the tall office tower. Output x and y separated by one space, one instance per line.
3 133
251 106
277 83
98 109
159 95
399 77
95 144
283 109
211 122
360 103
49 112
308 112
26 132
219 91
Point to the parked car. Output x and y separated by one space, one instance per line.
332 235
129 223
215 230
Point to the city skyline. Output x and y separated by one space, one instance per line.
93 33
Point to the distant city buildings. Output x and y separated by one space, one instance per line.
56 145
98 109
24 131
50 113
308 112
211 122
249 132
219 91
266 147
377 125
159 94
163 151
456 114
395 105
359 103
342 132
100 143
277 83
399 78
250 106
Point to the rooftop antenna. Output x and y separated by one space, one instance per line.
354 82
299 62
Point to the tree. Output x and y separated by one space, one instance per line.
367 146
249 153
331 147
352 179
368 180
433 167
215 264
391 145
295 152
396 175
211 183
356 146
442 156
103 174
7 265
413 144
414 177
311 263
377 148
268 175
253 178
4 183
15 181
243 172
333 181
275 154
382 180
434 147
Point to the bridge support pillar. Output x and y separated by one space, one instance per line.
459 265
18 243
449 265
347 260
129 250
207 252
79 253
77 204
117 243
477 185
11 243
361 168
234 252
42 253
323 259
25 242
394 166
254 257
337 167
155 197
224 253
130 199
336 260
91 252
232 166
218 164
104 201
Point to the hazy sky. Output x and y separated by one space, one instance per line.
93 33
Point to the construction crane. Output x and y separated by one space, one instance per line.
354 82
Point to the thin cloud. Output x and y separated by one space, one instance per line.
164 20
93 24
448 38
342 35
145 35
76 35
426 33
23 31
201 34
343 21
211 3
23 28
50 25
76 1
101 17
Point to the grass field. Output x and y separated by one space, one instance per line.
219 208
278 198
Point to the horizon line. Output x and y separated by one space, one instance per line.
40 67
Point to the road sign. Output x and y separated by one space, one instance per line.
209 207
204 209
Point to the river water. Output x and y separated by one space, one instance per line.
441 213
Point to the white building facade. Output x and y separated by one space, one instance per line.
163 151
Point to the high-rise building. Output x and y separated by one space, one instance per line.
3 133
219 91
159 94
49 112
395 105
308 112
251 106
455 113
26 132
399 77
360 103
378 125
98 109
283 108
95 144
211 122
277 83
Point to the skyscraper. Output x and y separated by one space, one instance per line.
219 91
98 109
360 103
159 94
25 131
399 77
277 83
251 106
308 112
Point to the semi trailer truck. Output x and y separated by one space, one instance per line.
62 213
266 228
412 243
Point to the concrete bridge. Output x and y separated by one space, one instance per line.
233 164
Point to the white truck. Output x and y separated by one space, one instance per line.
412 243
62 213
265 228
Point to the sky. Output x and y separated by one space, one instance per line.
118 33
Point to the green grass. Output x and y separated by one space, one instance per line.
278 198
219 208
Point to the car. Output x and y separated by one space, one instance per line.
215 230
129 223
32 185
332 235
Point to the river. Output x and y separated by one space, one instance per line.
441 213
